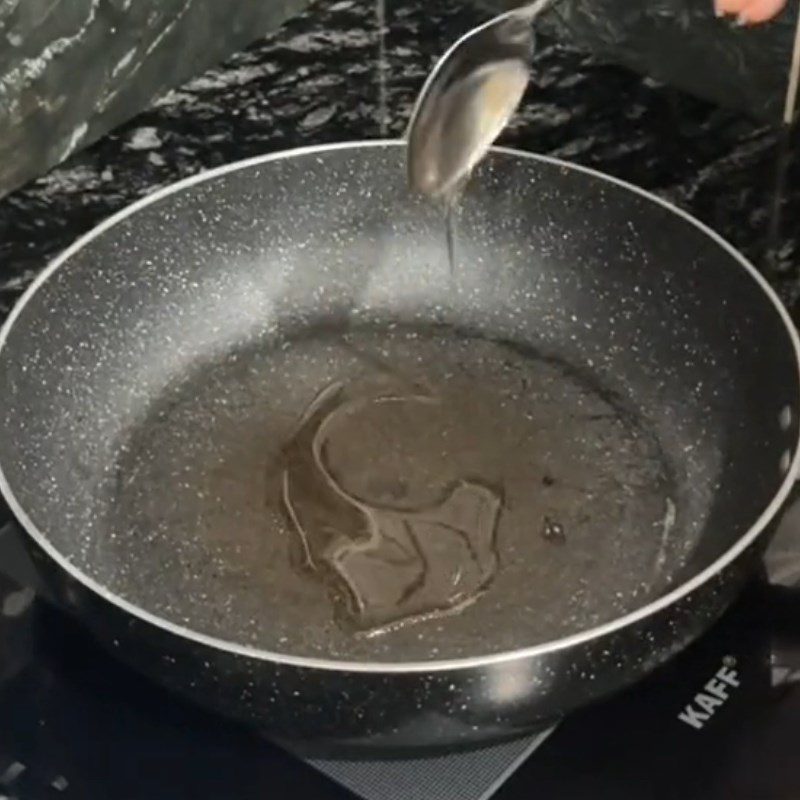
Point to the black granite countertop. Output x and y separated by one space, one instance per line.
321 78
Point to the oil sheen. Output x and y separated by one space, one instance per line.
392 493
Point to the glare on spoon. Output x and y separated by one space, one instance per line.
468 99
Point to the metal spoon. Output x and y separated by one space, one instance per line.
467 100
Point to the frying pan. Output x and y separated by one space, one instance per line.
538 475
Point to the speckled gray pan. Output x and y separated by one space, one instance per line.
548 470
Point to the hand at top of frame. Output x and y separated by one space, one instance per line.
750 12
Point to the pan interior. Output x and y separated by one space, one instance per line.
583 534
599 364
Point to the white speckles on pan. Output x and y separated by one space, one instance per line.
229 276
333 240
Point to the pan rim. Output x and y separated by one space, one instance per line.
615 625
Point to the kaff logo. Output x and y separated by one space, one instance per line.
706 703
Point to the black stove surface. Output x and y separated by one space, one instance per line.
721 721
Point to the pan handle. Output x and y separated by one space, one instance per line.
779 613
779 591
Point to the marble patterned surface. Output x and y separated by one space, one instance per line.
320 79
70 70
682 43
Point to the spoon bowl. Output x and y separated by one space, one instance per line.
467 100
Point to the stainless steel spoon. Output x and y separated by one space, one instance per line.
467 100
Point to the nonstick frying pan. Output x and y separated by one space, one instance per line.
537 476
